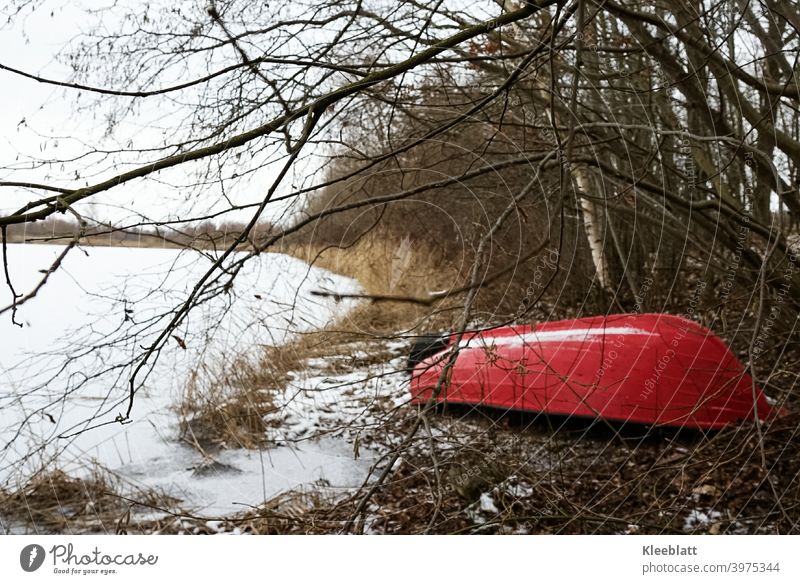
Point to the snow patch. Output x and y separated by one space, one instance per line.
487 504
700 518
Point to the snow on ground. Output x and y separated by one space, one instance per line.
107 301
700 518
512 489
317 403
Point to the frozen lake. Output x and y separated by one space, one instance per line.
66 370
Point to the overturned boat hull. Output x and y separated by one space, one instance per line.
654 369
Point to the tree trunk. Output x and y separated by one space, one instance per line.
593 224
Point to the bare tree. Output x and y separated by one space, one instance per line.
545 158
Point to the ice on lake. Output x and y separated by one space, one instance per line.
66 369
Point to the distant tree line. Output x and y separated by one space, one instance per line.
203 234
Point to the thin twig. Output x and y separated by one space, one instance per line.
14 295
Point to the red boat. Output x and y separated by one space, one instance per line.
653 369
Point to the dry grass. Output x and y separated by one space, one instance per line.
646 485
387 265
56 502
225 405
228 404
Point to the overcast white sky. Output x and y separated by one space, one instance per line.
54 128
31 43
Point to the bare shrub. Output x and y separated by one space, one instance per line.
55 502
226 405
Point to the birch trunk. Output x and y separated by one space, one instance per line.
593 225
